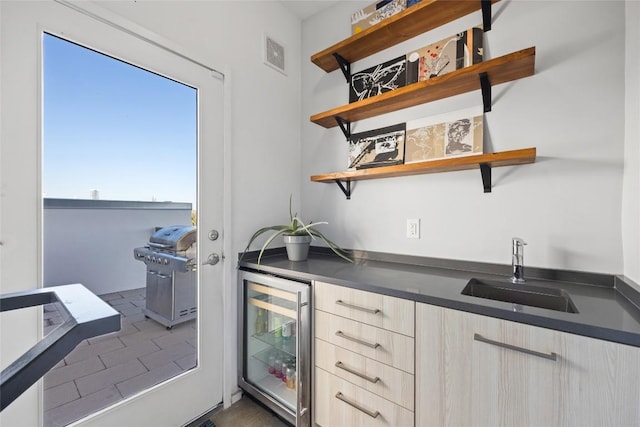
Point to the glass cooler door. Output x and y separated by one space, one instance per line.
273 323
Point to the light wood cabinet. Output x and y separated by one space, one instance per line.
475 370
342 403
393 314
383 380
376 343
364 358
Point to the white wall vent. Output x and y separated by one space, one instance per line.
274 54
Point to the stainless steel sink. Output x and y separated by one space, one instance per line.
534 296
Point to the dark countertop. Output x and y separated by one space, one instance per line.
608 307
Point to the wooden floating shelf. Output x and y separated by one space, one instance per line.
503 158
484 162
506 68
411 22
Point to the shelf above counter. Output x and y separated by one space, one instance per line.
413 21
499 70
484 162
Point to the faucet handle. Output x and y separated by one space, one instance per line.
518 241
518 245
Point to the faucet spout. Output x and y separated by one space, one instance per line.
517 260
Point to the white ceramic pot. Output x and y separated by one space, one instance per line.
297 247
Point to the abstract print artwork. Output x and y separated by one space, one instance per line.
374 13
378 147
379 79
453 134
447 55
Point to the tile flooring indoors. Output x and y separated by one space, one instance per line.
245 413
103 370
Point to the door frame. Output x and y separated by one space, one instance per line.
33 398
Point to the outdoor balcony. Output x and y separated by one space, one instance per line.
91 242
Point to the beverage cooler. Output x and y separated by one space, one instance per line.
275 348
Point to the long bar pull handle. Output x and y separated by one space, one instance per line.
340 396
550 356
357 307
302 357
356 340
342 366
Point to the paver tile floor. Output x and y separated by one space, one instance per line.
103 370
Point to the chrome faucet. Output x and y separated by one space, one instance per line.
517 260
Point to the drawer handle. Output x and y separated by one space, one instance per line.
357 307
342 366
340 396
551 356
356 340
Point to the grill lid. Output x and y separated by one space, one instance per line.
175 238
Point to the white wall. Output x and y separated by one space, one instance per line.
567 205
631 185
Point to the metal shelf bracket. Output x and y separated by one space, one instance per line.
485 85
485 171
486 14
345 126
347 190
345 65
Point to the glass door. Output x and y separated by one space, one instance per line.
271 341
23 25
276 342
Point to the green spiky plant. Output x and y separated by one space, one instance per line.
296 227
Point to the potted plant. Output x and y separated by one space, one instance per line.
297 237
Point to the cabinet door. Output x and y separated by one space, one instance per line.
466 377
382 311
375 343
340 403
378 378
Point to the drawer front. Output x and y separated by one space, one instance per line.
378 378
382 311
340 403
379 344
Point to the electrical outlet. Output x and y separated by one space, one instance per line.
413 228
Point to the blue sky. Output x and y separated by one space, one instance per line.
110 126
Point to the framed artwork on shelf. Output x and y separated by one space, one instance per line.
446 55
455 134
374 13
382 78
378 147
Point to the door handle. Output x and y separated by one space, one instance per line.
356 340
550 356
350 402
341 365
212 259
357 307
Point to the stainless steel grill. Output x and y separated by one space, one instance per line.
170 256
